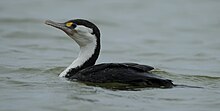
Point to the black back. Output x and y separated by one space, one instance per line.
128 73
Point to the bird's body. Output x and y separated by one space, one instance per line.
83 69
127 73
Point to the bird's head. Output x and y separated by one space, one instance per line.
82 31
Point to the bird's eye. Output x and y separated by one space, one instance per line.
71 25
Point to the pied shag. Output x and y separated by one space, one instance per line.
83 69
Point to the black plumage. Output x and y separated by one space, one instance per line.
126 73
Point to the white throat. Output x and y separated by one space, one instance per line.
86 52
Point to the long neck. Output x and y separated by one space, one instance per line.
87 57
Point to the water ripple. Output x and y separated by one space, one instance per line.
16 20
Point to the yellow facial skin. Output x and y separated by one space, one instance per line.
69 24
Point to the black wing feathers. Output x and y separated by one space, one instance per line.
138 67
128 73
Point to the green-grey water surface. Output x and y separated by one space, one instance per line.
181 38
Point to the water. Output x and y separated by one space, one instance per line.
179 38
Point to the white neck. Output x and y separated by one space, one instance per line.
86 52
